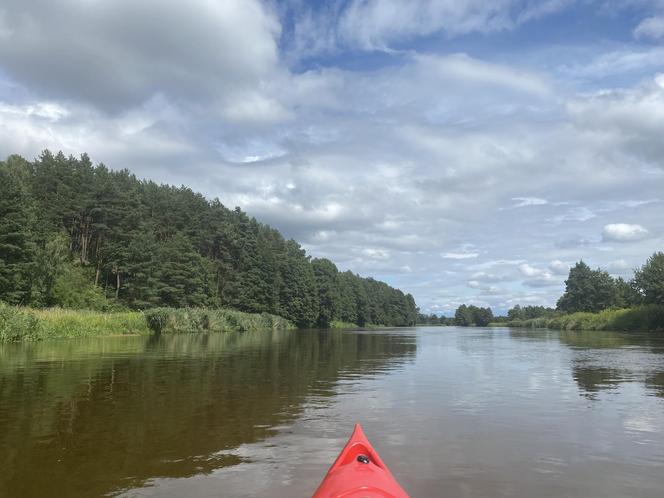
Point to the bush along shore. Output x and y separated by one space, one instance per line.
648 318
28 324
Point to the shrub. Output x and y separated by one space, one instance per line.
16 324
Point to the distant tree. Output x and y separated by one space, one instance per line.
649 279
482 316
466 316
587 290
515 313
463 316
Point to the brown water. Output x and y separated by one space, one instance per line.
453 412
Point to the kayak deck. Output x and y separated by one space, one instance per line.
359 472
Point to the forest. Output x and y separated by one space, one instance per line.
83 236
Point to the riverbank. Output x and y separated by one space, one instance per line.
649 318
29 324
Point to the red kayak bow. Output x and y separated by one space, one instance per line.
358 472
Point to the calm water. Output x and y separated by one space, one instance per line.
455 413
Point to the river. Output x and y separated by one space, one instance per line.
454 413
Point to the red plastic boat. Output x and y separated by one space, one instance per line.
358 472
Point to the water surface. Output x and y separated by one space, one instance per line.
454 412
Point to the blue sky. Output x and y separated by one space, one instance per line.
465 151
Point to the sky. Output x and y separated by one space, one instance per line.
465 151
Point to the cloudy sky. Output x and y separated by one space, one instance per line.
462 150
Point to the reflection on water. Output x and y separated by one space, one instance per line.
454 412
84 418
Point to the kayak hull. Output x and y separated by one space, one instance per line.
359 472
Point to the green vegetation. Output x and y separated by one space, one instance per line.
593 300
338 324
18 323
29 324
434 319
595 290
642 318
78 236
187 320
467 316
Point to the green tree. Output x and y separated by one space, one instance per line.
649 279
463 316
515 313
326 274
627 295
482 316
16 244
587 290
298 300
182 277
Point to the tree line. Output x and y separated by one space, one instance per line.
595 290
79 235
586 290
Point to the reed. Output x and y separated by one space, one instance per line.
648 318
191 320
29 324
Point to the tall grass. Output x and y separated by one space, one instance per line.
59 322
27 324
188 320
17 324
649 318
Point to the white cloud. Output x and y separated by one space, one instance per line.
48 110
460 255
575 214
488 277
255 108
651 27
619 267
558 267
375 24
126 52
617 62
536 277
624 232
376 253
529 201
462 67
530 271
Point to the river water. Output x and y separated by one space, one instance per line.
453 412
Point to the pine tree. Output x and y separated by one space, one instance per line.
16 245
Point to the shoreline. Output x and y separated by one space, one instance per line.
20 324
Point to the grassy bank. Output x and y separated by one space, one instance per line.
188 320
18 323
27 324
648 318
